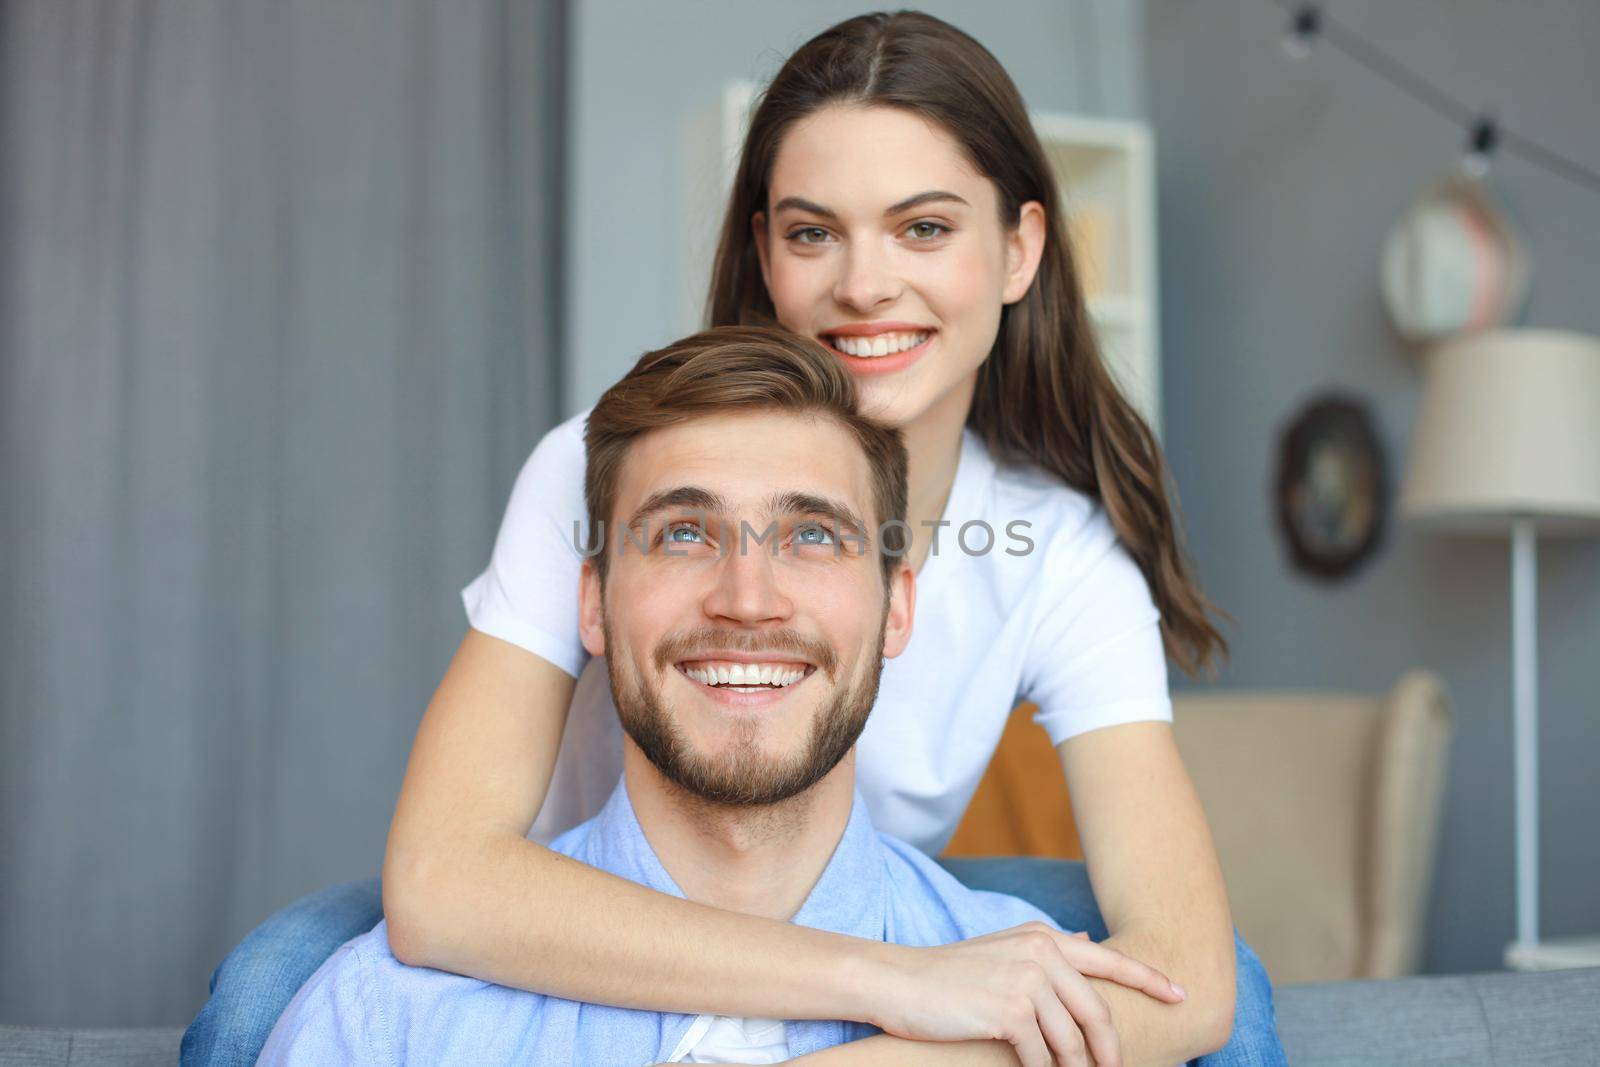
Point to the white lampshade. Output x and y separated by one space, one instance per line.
1509 427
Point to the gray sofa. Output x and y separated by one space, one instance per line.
1472 1020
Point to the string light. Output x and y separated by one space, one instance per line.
1309 24
1481 142
1303 28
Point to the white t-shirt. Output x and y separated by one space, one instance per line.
724 1039
1068 624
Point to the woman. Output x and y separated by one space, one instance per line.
893 202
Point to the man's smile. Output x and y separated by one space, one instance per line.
744 679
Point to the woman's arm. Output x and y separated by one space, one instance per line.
464 890
883 1050
1159 885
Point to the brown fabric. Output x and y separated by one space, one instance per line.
1021 807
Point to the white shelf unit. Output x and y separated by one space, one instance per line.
1105 169
1106 174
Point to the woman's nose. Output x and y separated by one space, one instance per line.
866 279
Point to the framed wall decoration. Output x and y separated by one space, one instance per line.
1332 487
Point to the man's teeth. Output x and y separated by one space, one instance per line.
883 344
747 674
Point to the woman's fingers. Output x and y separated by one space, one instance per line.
1071 1014
1089 958
1029 986
1068 1010
1030 1046
1091 1019
1068 1043
1041 1030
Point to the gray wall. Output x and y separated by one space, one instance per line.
1278 183
277 321
640 67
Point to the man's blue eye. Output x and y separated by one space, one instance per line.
683 528
813 535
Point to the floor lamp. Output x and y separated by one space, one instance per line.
1508 435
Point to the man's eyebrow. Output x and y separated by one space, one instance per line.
838 514
930 197
681 497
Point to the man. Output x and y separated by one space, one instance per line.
744 610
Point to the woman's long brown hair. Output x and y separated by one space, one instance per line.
1044 394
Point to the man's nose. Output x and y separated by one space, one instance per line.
748 589
866 279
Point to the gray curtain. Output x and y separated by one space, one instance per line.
277 326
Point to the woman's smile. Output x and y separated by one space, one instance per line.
878 347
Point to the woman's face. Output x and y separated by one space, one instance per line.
884 243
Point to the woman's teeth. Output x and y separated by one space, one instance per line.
747 677
883 344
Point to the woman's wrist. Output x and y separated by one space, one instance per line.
870 972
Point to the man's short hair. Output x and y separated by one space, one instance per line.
737 369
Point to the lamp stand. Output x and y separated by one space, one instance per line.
1528 952
1525 719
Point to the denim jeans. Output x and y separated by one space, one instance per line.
252 986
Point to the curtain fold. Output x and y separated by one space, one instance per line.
278 324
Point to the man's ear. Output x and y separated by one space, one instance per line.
902 607
1024 247
590 608
758 230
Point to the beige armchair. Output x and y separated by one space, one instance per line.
1324 807
1325 810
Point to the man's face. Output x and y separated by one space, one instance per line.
745 674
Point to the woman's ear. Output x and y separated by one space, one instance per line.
591 623
1024 247
758 231
902 608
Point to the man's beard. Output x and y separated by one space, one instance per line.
741 776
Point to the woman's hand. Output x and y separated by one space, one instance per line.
1028 986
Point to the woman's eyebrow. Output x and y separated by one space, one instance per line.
931 196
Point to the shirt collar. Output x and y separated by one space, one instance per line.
848 897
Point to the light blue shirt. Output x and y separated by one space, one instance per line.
364 1006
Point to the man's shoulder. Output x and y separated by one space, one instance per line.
365 1006
928 905
368 965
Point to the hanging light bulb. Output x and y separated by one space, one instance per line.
1304 27
1481 141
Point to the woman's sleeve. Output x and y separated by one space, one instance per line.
528 595
1095 656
